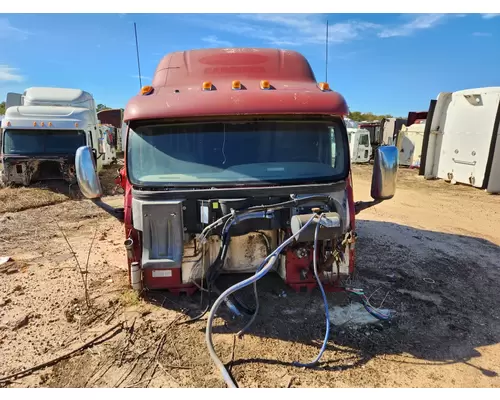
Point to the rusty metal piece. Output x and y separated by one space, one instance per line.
27 170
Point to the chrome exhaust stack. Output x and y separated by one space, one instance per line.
129 243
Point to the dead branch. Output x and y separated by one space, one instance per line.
175 349
148 380
125 340
108 320
82 273
232 354
176 366
153 358
88 254
90 343
164 370
152 375
125 376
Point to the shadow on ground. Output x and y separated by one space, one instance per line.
444 288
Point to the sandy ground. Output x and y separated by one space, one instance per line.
432 254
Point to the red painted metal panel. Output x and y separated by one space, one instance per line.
179 78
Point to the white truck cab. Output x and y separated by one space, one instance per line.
359 142
41 131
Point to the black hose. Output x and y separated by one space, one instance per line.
285 204
205 310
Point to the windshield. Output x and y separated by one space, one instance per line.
239 152
40 141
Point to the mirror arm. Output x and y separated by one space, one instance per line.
363 205
118 213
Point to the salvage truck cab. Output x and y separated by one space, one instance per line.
228 153
41 131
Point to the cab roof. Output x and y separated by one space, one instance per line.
22 117
178 86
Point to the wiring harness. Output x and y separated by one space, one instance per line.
228 221
377 313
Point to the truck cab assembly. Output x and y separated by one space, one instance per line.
41 132
238 162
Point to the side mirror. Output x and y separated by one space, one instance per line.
86 173
100 146
385 170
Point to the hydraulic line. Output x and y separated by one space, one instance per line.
325 301
265 267
368 306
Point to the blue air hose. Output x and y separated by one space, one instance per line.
325 301
264 268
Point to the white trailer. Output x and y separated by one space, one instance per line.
463 144
41 131
359 142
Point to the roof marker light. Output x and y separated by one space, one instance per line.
34 123
145 90
265 85
207 85
8 123
42 123
324 86
76 124
236 85
50 123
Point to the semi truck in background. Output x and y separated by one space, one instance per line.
113 120
41 131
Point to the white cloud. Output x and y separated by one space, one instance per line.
289 30
300 29
9 74
7 31
489 16
284 29
482 34
146 78
420 22
212 40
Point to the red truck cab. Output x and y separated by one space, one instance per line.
220 134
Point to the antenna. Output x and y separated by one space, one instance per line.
138 62
326 51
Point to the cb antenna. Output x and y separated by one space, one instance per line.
137 51
326 51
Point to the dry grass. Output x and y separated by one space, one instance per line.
18 199
130 298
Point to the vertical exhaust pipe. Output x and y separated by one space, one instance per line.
136 276
129 243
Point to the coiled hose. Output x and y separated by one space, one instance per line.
263 269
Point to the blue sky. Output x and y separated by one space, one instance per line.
383 63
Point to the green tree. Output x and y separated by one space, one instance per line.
2 108
359 116
101 107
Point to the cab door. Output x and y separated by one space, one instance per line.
363 147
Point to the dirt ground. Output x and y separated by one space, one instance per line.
432 254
